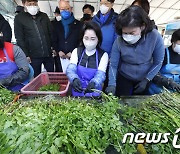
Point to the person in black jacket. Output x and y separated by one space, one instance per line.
66 32
54 22
5 29
88 11
33 33
19 9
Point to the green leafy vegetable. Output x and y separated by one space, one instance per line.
71 125
6 96
50 87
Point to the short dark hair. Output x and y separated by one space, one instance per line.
88 6
175 36
144 4
112 1
91 26
23 1
19 9
57 10
133 16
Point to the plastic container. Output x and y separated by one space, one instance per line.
44 79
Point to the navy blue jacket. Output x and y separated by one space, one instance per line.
108 30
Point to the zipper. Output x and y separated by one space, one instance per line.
35 24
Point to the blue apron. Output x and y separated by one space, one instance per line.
7 69
86 74
170 71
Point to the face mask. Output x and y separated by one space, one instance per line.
33 10
104 9
90 45
1 42
65 14
86 16
131 39
58 18
177 48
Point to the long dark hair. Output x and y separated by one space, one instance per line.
91 26
133 16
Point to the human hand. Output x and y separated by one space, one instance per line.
89 88
77 85
141 86
62 55
54 54
110 89
174 86
28 59
68 55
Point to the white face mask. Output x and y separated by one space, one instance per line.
58 18
104 9
131 39
90 45
33 10
177 48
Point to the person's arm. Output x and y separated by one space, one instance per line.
71 71
7 31
100 75
168 83
161 80
114 61
55 40
19 34
23 69
158 57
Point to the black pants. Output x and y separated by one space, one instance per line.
48 63
125 87
58 67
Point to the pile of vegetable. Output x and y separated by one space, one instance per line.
49 125
70 125
158 114
50 87
6 96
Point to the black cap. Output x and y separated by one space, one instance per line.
57 10
19 9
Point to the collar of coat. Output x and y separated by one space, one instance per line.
113 15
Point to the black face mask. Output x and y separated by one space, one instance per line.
86 16
1 42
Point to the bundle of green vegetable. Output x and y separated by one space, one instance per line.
67 126
159 114
6 96
50 87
